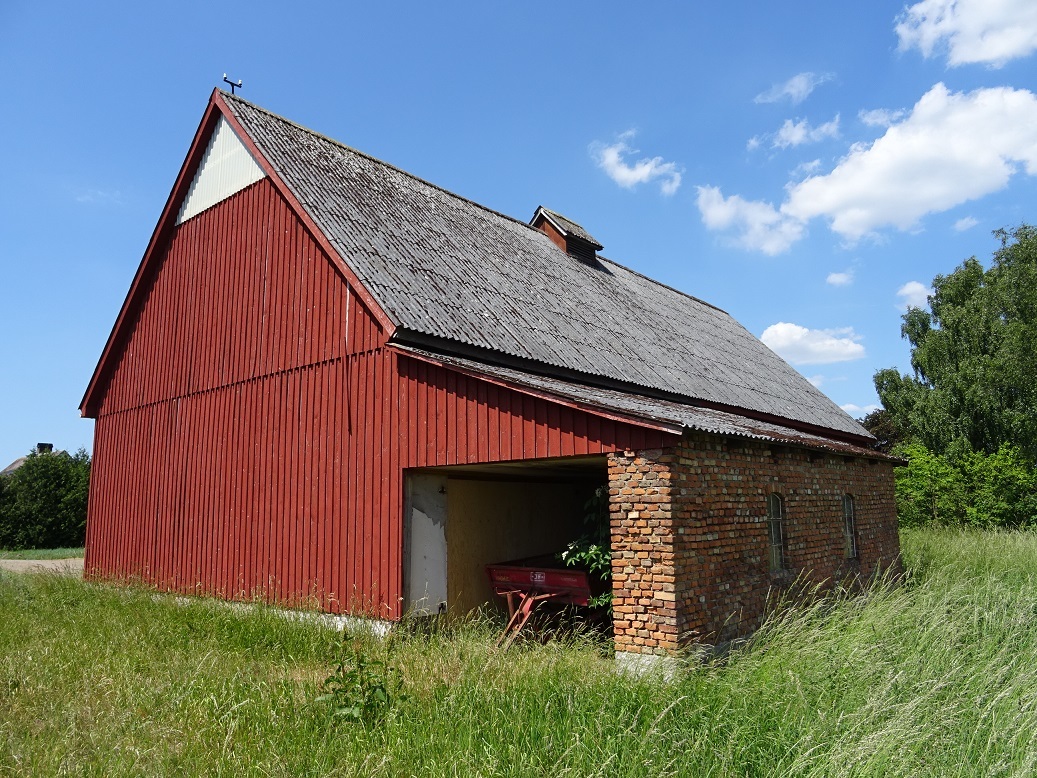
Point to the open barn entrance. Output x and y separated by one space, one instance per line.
459 519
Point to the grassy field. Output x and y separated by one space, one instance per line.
43 553
936 677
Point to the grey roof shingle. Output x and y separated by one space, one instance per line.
444 267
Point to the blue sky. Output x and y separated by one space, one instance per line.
806 166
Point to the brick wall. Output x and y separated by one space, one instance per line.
690 539
644 581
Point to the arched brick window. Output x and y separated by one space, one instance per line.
849 527
776 531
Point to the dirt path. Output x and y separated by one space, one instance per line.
66 566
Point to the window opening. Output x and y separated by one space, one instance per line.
776 531
849 527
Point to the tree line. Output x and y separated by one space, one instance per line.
43 502
965 419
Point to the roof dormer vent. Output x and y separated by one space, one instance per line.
569 236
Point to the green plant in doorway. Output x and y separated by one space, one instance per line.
592 551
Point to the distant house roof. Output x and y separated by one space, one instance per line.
458 278
13 466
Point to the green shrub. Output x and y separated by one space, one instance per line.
361 690
43 503
1001 489
592 551
929 490
968 488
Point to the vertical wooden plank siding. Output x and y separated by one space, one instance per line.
252 439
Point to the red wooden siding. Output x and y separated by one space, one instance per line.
243 291
448 418
252 440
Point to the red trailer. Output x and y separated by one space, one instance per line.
526 583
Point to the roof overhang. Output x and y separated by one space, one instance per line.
662 415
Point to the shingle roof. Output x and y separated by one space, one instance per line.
446 268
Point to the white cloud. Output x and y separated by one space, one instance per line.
802 346
845 278
859 410
965 223
797 133
990 32
796 89
913 295
753 143
880 117
954 147
816 380
804 169
610 158
99 196
761 226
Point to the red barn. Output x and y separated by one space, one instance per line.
333 382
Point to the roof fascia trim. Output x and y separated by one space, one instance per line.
624 418
387 324
541 212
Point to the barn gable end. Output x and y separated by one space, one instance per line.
224 193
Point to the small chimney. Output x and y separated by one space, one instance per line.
569 236
44 448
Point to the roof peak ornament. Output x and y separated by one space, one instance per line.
233 86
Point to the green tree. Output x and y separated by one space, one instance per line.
974 357
43 503
880 424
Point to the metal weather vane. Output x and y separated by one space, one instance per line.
233 86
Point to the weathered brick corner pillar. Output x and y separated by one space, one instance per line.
644 606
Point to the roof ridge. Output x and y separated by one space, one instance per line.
322 136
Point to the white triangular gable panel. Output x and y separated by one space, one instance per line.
226 168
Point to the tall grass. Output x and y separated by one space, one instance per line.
937 676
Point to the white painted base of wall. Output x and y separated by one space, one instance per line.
376 627
647 665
